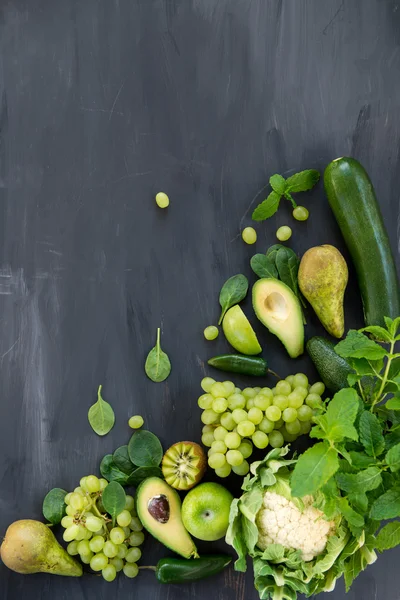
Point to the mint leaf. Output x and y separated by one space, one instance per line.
313 469
357 345
263 267
360 460
379 333
388 537
359 501
393 403
278 184
303 181
386 506
267 208
354 520
337 422
363 481
352 569
392 458
389 325
371 435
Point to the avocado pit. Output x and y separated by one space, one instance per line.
277 306
158 507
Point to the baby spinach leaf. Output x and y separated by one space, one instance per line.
113 499
142 473
111 472
54 505
122 461
287 265
101 415
371 434
263 267
158 365
233 291
145 449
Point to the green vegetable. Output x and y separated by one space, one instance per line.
300 182
122 461
110 471
249 235
101 415
284 233
145 449
54 505
180 570
239 363
332 368
352 199
233 291
157 366
142 473
113 499
263 266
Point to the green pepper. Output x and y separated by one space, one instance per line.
238 363
180 570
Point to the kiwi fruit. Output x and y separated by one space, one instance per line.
183 465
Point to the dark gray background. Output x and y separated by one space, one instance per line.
102 104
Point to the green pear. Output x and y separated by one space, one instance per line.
323 277
30 547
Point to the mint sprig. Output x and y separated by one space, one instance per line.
281 187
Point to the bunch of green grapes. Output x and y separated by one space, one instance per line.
236 420
105 546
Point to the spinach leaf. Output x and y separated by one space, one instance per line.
54 505
122 461
101 415
158 365
113 499
110 471
233 291
263 267
287 265
142 473
145 449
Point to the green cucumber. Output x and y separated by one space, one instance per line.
332 368
352 199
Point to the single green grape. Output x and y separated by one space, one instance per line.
289 415
262 402
208 428
249 235
250 403
70 511
72 548
305 427
281 401
219 446
273 390
209 416
228 421
283 387
131 570
229 388
96 544
211 333
313 400
295 399
266 426
133 555
205 401
76 501
288 437
220 405
136 422
246 428
82 484
242 469
276 439
92 484
260 439
266 391
234 458
290 380
220 433
273 413
218 390
118 563
86 558
110 549
249 393
217 460
122 551
67 521
239 415
300 380
136 538
93 523
162 200
71 533
103 484
84 548
117 535
79 490
99 562
124 518
224 471
136 524
246 449
127 532
304 413
207 439
255 415
109 573
293 427
232 440
284 233
300 213
236 401
68 498
278 424
317 388
206 384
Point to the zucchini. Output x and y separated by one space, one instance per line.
352 199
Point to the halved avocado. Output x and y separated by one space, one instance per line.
159 508
279 310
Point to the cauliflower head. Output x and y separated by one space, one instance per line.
280 521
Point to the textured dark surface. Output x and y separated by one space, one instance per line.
104 103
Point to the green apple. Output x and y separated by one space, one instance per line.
205 511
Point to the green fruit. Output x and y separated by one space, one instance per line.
183 465
205 511
279 310
323 277
30 547
332 368
239 332
156 503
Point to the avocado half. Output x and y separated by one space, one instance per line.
159 508
279 310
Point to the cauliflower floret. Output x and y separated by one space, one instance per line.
279 521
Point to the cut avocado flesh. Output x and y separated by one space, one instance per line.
159 509
239 332
279 310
